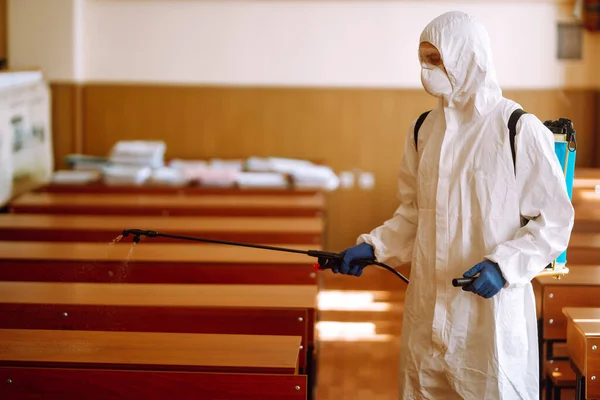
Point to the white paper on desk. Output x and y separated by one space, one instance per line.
126 175
257 164
261 180
235 165
181 164
216 176
139 152
316 176
75 177
287 165
82 162
168 176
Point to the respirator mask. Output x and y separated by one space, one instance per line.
435 81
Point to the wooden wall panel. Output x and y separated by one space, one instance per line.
596 113
362 129
578 105
66 114
346 128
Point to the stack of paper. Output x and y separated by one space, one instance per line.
262 180
235 165
304 174
257 164
215 173
218 177
138 153
82 162
315 177
189 169
274 164
288 165
168 176
115 175
63 177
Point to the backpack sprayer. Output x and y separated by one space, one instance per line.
565 146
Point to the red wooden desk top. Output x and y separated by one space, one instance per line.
178 351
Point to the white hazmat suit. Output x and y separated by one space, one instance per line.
461 203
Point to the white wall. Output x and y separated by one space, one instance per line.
41 35
294 42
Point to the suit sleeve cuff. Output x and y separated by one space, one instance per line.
380 250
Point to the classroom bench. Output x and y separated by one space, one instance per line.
188 190
587 176
149 262
587 218
583 343
237 309
584 249
95 364
105 228
168 205
579 288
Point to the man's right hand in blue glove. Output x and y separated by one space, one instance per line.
489 282
361 251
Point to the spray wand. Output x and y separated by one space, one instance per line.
326 260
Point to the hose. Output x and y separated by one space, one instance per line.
326 260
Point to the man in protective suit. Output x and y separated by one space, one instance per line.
463 204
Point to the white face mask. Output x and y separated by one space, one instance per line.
436 82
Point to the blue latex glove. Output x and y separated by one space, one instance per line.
360 251
489 282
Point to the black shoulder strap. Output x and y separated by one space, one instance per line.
512 130
418 126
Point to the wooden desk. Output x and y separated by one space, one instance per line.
169 205
586 183
587 173
151 350
102 384
188 190
237 309
582 314
586 178
153 263
583 342
579 288
587 218
584 249
104 228
76 362
586 194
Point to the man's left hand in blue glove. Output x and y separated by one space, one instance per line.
489 282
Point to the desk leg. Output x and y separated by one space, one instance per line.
542 378
556 393
580 387
312 372
549 388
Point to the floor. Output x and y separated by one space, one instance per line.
359 329
360 321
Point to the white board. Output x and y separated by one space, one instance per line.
25 132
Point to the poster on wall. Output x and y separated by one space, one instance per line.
25 132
